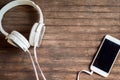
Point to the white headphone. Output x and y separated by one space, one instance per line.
17 39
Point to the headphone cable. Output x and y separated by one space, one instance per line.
33 63
36 60
85 71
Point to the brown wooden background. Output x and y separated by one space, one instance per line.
74 31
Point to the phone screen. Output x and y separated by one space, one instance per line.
106 55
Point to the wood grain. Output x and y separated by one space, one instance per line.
74 31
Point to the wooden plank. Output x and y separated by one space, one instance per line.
80 22
68 29
81 9
65 14
78 36
68 8
79 2
72 22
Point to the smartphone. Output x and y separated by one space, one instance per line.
106 56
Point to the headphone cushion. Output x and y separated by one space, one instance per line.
21 37
36 34
16 39
13 40
32 35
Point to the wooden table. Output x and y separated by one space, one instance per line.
74 31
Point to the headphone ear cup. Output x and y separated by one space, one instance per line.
40 35
32 34
11 39
36 34
17 40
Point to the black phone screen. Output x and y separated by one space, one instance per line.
106 55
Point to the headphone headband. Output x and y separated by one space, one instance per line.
18 3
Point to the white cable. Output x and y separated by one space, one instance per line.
35 70
85 71
36 60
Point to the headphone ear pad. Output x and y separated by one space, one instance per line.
17 40
32 34
36 34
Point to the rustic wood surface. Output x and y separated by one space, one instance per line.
74 31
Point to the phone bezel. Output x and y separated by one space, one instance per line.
98 70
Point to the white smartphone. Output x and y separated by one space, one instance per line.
106 56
